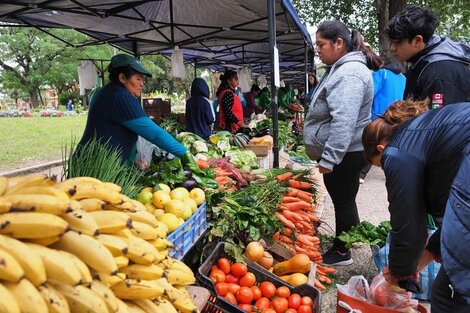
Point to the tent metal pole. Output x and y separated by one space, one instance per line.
306 75
274 107
195 69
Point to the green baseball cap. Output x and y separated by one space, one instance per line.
120 60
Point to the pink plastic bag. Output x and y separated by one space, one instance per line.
392 297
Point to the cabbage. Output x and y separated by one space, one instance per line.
242 159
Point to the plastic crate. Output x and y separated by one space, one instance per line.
184 237
261 275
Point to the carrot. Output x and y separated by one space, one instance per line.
325 269
299 205
287 231
285 239
296 177
284 176
276 236
299 184
287 199
202 164
284 220
301 194
291 216
318 284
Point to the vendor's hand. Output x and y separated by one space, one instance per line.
323 170
426 258
392 280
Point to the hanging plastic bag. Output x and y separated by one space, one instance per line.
391 297
244 79
262 82
357 287
144 153
177 63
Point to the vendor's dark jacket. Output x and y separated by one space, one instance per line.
420 164
443 67
199 112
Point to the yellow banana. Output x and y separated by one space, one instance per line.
56 302
36 180
143 217
8 303
161 244
46 241
165 306
139 271
82 222
124 206
111 221
179 276
37 203
27 296
114 244
31 225
138 206
146 305
150 208
125 233
10 268
74 181
3 184
99 191
132 289
30 262
144 231
141 252
5 205
109 279
59 268
81 266
171 292
162 229
185 304
122 308
134 308
121 261
82 299
113 186
105 294
89 250
43 190
93 204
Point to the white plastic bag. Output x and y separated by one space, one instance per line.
177 64
144 153
357 287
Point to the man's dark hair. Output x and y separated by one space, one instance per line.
255 87
411 22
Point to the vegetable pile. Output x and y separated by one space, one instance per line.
367 233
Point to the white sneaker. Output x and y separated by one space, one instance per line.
361 180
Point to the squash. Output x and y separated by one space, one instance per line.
295 279
299 263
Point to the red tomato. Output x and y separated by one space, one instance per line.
283 292
294 301
247 280
290 310
214 267
224 265
217 276
231 298
238 269
256 292
222 289
229 278
268 289
268 310
380 295
245 307
279 305
262 303
244 295
304 309
233 288
307 301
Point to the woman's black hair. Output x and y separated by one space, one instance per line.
332 30
126 70
224 79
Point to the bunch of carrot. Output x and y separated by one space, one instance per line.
223 179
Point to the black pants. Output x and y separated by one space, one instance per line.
365 169
444 299
342 185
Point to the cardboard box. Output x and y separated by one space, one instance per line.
260 150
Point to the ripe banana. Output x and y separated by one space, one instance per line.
59 268
5 205
74 181
171 293
139 271
141 251
36 180
113 186
82 222
37 203
138 205
161 244
108 279
10 268
81 266
122 308
179 273
3 184
82 299
46 241
56 302
114 244
8 303
111 221
121 261
27 296
185 304
143 217
89 250
105 294
162 229
133 308
132 289
31 225
99 191
124 206
165 306
93 204
29 261
144 231
146 305
43 190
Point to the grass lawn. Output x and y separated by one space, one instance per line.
25 141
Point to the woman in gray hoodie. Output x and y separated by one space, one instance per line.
339 110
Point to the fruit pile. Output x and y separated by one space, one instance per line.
238 286
82 246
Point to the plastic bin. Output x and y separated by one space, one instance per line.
184 237
261 275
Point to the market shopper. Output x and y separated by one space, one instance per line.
438 67
230 106
116 118
338 112
199 111
426 161
251 106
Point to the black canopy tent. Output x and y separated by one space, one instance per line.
211 33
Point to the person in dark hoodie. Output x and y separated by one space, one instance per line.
438 67
199 111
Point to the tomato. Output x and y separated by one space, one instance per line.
224 265
268 289
307 301
256 292
290 310
262 303
304 309
294 301
238 269
217 276
247 280
233 288
231 298
245 307
268 310
229 278
222 289
381 295
214 267
279 305
244 295
283 292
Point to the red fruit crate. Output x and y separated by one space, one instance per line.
222 305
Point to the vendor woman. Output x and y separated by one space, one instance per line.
116 117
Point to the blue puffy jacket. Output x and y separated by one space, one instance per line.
427 169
